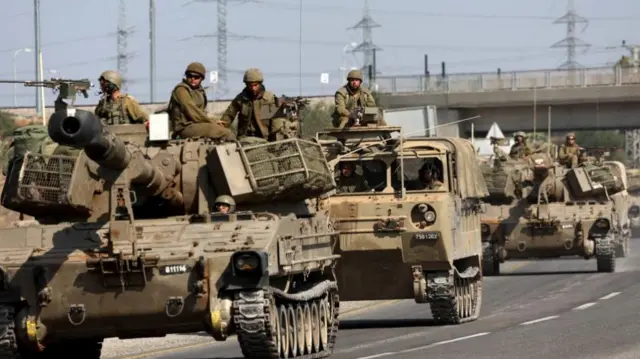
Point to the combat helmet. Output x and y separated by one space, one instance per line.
354 74
253 75
196 67
571 134
520 133
228 200
112 77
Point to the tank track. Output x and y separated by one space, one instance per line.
9 349
259 315
605 255
454 301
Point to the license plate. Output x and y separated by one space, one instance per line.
174 269
426 236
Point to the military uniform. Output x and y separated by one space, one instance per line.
433 184
520 149
568 153
124 109
347 99
353 183
187 110
249 108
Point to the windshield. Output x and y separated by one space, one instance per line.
361 176
420 174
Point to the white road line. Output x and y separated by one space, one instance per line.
539 320
585 306
445 342
609 296
378 355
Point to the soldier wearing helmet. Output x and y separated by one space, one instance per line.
428 175
250 104
352 179
114 107
187 108
350 96
225 204
569 152
520 148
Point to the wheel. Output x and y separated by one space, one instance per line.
292 330
308 328
284 331
300 330
490 264
315 327
323 312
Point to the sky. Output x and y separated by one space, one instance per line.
79 40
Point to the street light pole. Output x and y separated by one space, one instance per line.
15 74
344 60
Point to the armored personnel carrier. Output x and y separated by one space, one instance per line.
633 176
403 235
127 243
539 209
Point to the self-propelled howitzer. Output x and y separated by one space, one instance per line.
113 263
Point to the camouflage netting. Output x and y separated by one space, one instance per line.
291 169
498 177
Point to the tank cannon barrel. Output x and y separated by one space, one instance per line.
82 130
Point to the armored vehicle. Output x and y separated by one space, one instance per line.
408 214
539 209
633 176
127 242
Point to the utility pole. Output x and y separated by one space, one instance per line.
38 54
571 42
367 46
123 37
152 50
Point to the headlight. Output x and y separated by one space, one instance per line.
247 262
602 223
430 216
634 211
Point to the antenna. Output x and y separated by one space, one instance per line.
123 37
571 42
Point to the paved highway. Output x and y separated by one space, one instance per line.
544 309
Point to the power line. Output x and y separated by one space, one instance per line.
571 42
367 47
288 5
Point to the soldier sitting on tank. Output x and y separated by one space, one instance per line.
520 148
351 96
114 107
351 179
187 108
249 104
428 176
225 204
569 152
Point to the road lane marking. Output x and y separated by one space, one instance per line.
345 315
445 342
379 355
540 320
585 306
609 296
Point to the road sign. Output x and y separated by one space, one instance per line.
324 78
213 77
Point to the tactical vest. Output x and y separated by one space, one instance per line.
112 112
175 114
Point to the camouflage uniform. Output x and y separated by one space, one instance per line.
347 99
430 182
354 182
187 110
124 109
569 153
520 149
251 108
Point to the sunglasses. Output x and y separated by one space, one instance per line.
194 76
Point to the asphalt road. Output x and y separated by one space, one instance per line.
543 309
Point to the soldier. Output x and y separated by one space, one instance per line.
569 151
249 104
428 176
187 108
225 204
520 148
116 108
351 179
349 97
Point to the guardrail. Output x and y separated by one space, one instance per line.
508 81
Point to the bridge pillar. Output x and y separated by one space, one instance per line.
632 147
447 123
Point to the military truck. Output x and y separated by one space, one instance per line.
540 209
398 238
127 243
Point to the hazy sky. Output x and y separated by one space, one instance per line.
79 41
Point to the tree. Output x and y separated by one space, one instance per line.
7 124
316 118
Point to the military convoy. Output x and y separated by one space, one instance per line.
126 243
399 237
540 209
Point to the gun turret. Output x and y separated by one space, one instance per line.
66 89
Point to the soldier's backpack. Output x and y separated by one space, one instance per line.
29 138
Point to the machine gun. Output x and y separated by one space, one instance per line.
66 89
361 116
